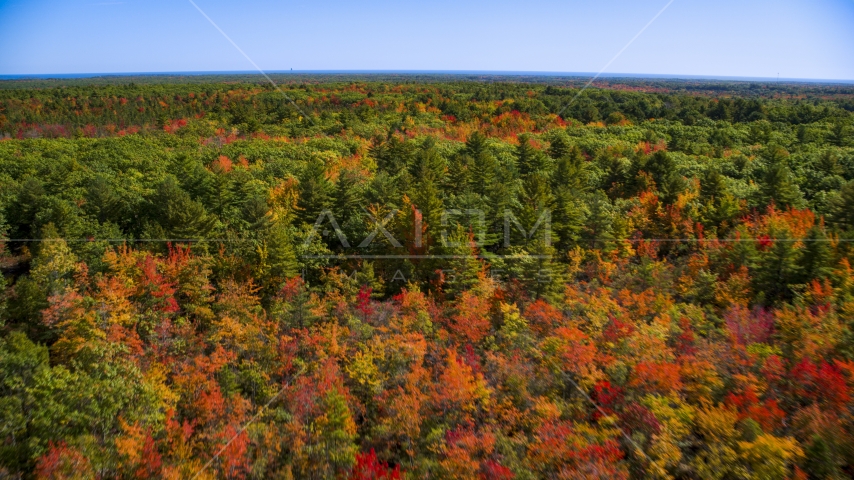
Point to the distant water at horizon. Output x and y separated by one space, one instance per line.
486 73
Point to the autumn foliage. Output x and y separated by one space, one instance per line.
199 281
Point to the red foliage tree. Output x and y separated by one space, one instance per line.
367 467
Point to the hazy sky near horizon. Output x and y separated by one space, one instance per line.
753 38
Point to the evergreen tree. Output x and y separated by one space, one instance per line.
426 199
426 195
528 159
218 188
559 147
778 184
393 155
712 185
568 219
484 174
463 266
569 184
661 167
828 164
473 168
719 206
778 269
534 267
315 191
536 205
759 132
252 208
174 215
23 363
571 172
277 259
744 251
460 178
430 165
816 261
476 144
24 208
544 272
104 203
839 134
194 178
499 198
599 227
842 210
531 255
347 205
3 284
384 189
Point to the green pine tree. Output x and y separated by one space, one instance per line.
536 268
536 205
778 269
476 144
559 147
460 180
661 167
712 185
393 155
430 165
571 172
778 184
816 261
24 208
569 184
426 195
718 206
842 209
315 191
484 174
104 203
461 270
598 229
276 257
174 215
348 203
839 134
528 159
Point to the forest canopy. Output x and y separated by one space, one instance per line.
390 278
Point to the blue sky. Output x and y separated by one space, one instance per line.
752 38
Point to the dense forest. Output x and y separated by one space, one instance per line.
366 279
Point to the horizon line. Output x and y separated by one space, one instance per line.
404 72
